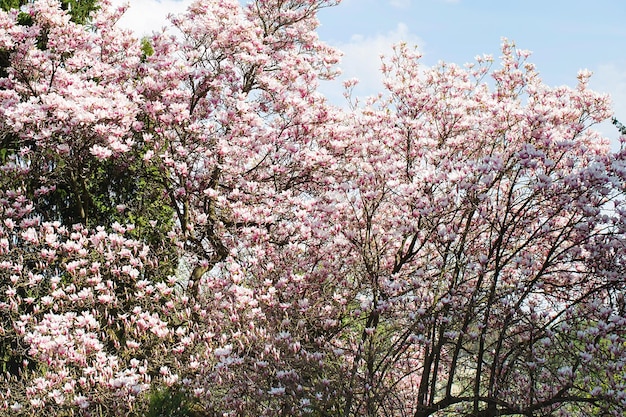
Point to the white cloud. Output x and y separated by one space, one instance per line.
146 16
362 60
400 4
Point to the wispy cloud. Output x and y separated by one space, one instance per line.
362 60
146 16
400 4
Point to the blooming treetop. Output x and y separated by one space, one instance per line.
193 224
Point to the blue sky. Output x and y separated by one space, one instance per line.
564 35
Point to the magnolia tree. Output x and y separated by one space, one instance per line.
189 228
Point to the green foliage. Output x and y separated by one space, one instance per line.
97 192
128 191
619 126
146 48
171 402
11 4
80 10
